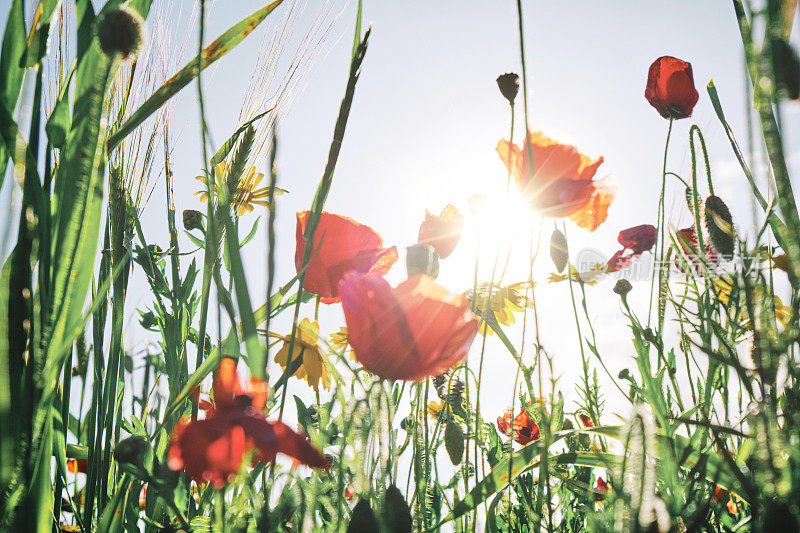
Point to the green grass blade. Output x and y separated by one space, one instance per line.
11 71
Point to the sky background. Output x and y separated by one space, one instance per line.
426 118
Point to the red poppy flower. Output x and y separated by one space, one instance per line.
340 245
411 332
525 429
212 449
562 182
602 486
670 87
586 420
637 240
443 231
687 239
77 465
504 423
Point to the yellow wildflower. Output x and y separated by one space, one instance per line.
339 342
245 196
505 301
589 277
313 368
434 408
725 289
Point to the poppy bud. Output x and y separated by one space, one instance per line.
622 287
786 66
120 31
422 259
670 87
192 219
395 510
509 86
624 373
649 336
131 450
363 519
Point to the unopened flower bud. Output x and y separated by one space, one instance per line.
422 259
131 450
624 373
509 86
120 31
192 219
622 287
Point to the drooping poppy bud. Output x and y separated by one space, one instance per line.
509 86
670 87
410 332
586 420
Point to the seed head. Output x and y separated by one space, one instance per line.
622 287
192 219
509 86
120 31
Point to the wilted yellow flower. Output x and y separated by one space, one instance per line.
725 289
781 262
589 277
505 301
313 368
246 195
434 408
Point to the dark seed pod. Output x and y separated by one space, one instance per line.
622 287
131 450
786 66
192 219
363 519
120 32
719 225
396 514
422 259
509 86
454 441
558 250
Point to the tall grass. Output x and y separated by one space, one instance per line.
712 438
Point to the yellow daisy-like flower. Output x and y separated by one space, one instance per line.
313 368
246 195
340 340
725 289
505 301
